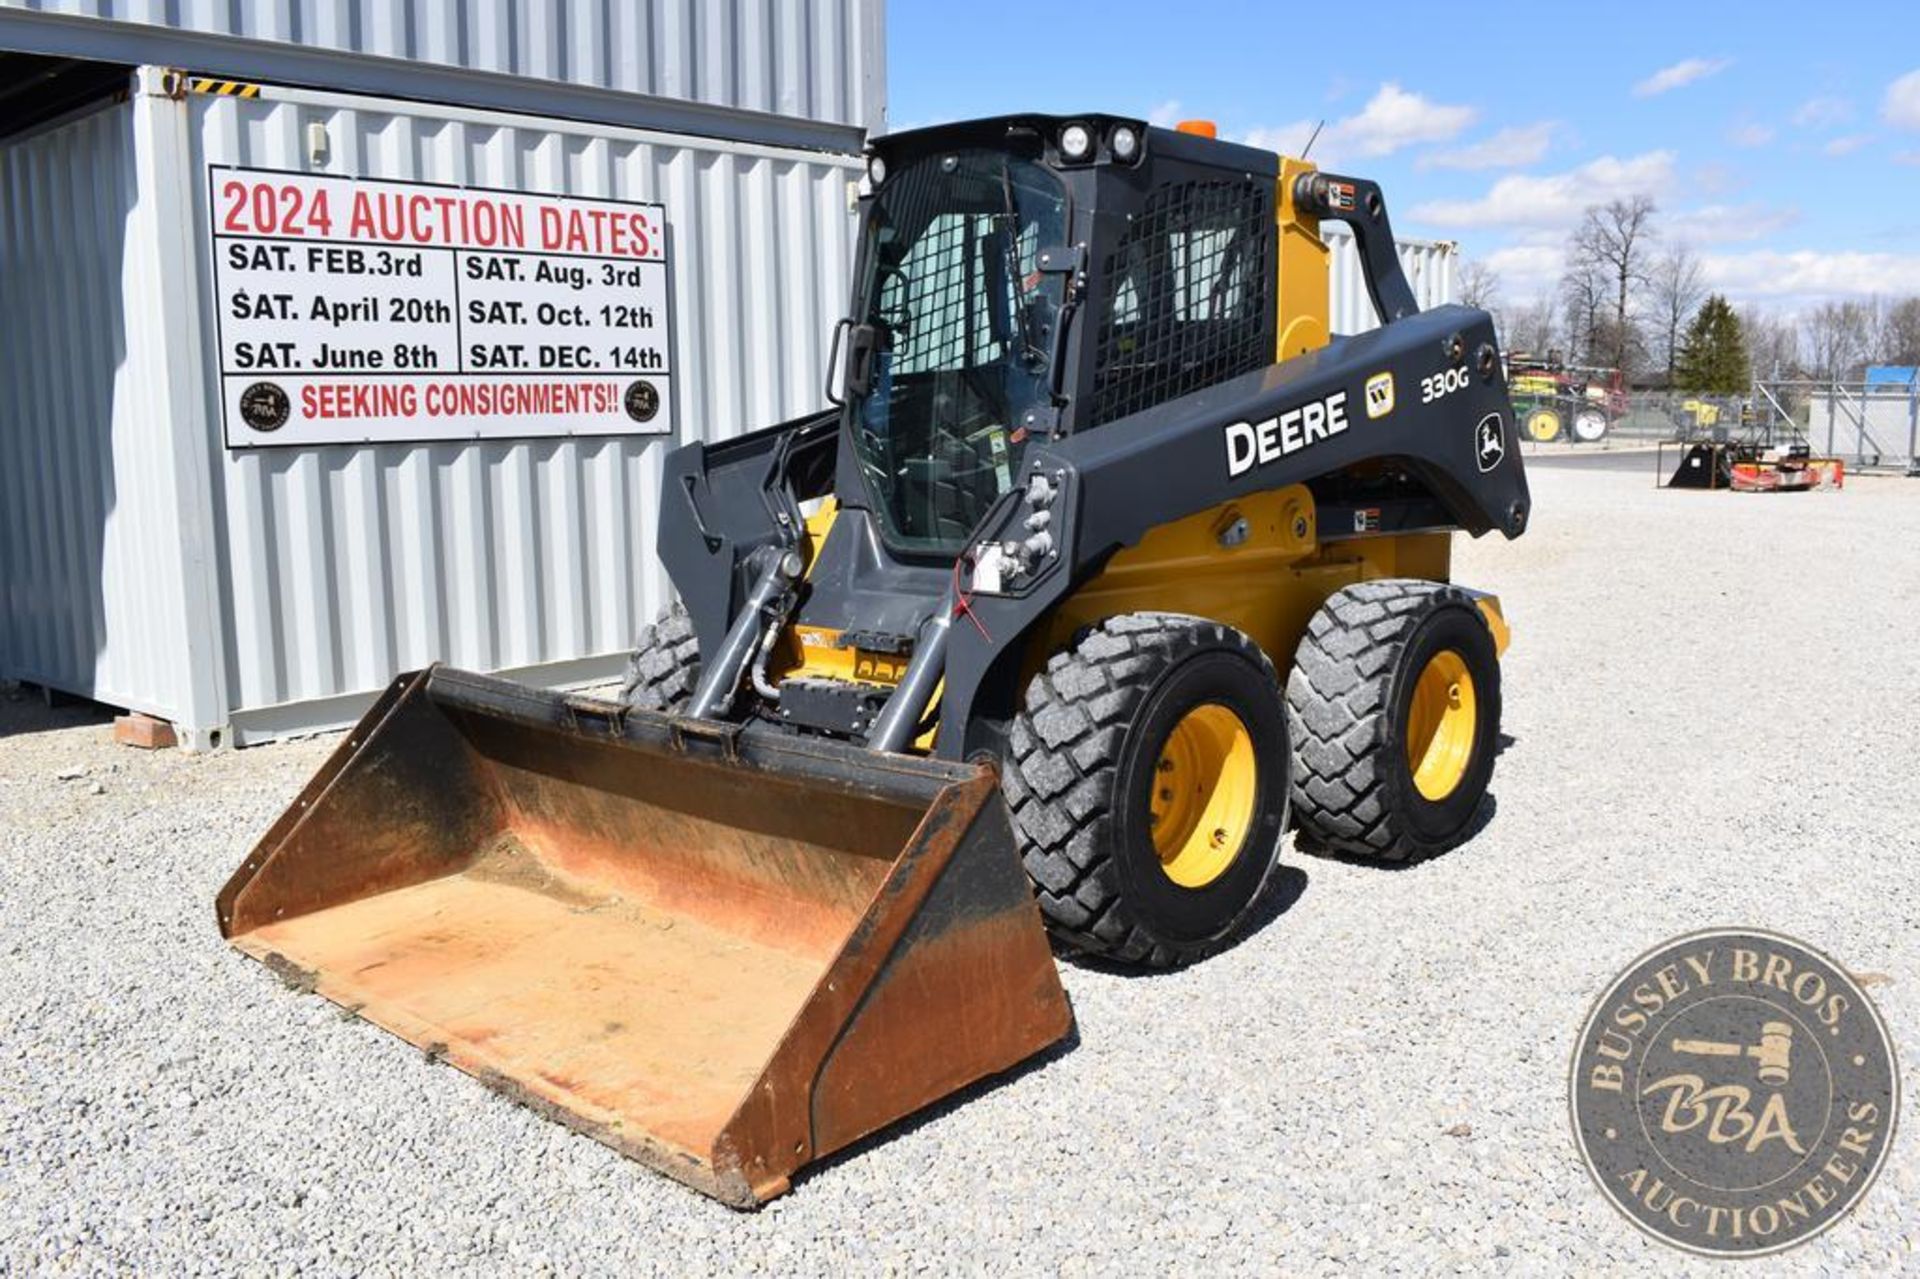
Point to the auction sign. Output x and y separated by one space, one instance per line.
359 311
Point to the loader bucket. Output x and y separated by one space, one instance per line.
724 954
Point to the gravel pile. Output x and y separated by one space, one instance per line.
1713 718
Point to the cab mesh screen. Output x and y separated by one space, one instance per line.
1189 296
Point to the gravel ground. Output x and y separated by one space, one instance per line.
1712 713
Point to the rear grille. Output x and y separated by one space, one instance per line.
1189 296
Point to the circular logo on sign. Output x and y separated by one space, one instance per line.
265 407
1734 1092
643 401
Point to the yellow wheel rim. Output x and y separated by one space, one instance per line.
1543 425
1204 785
1441 724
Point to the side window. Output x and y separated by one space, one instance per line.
1189 298
929 302
945 309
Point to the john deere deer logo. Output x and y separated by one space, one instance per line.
1734 1093
1488 445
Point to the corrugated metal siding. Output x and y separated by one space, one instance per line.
811 59
1429 268
335 567
344 565
89 535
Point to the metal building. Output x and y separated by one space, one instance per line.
247 592
1429 265
156 555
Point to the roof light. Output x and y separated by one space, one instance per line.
876 170
1076 142
1125 143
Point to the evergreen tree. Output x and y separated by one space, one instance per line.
1713 359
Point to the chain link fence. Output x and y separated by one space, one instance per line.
1608 419
1870 426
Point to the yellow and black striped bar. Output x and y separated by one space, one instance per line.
222 88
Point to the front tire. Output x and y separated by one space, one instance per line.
1395 702
1148 780
664 668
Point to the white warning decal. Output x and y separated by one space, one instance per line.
1251 444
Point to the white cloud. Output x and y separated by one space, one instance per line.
1750 135
1679 75
1725 223
1166 114
1557 199
1805 275
1528 270
1823 112
1509 148
1901 106
1711 180
1393 118
1848 144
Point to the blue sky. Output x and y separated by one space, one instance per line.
1781 142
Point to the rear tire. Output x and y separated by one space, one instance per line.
1358 727
1152 731
664 667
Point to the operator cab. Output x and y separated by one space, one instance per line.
1025 276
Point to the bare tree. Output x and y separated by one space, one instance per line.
1773 347
1530 328
1771 343
1613 239
1478 284
1679 284
1897 340
1836 336
1584 292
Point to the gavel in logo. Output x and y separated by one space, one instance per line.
1772 1054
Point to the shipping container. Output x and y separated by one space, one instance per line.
1429 265
255 592
807 73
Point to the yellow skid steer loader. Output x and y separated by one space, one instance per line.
1108 564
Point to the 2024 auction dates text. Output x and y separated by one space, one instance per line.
281 356
386 309
334 259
